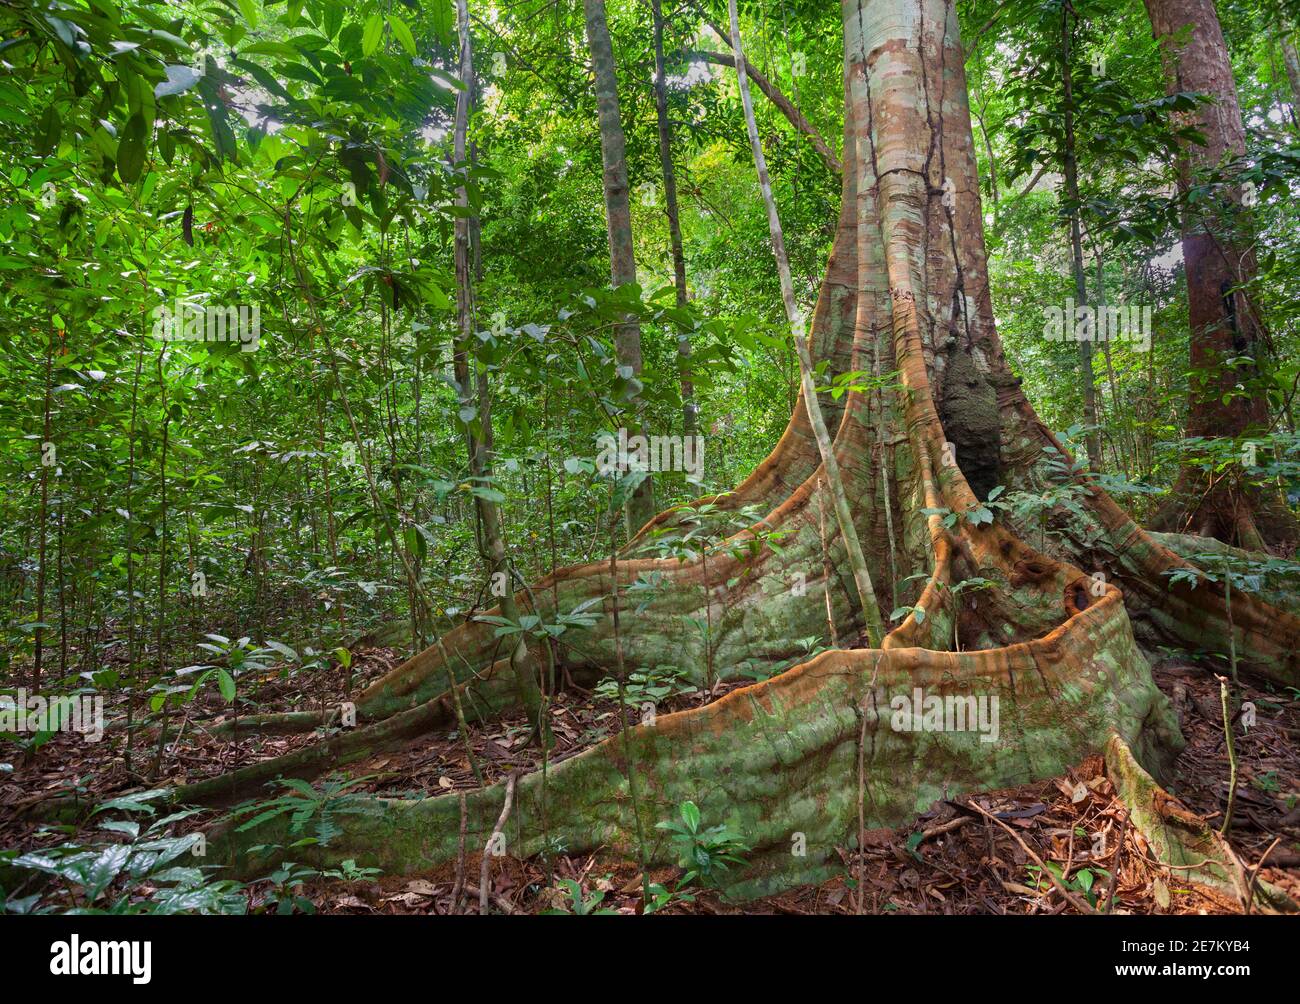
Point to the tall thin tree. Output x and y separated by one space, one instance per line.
843 511
476 396
674 221
640 505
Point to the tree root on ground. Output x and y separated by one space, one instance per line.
778 762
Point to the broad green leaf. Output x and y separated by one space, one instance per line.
402 33
372 35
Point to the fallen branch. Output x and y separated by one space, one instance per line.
499 901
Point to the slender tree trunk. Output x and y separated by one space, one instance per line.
674 223
1123 418
62 587
640 505
1070 169
498 562
42 515
133 668
1292 62
1218 262
161 613
162 515
843 511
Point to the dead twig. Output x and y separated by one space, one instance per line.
1254 874
1114 865
942 828
483 886
459 887
1074 900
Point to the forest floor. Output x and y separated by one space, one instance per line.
952 860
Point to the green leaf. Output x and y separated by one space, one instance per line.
226 683
402 33
51 128
440 17
137 802
179 80
373 33
131 151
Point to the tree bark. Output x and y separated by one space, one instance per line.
1292 62
640 506
1218 262
674 221
1070 170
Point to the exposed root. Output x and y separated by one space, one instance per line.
1182 840
1249 516
483 697
777 760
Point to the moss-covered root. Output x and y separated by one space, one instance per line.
1182 840
286 723
483 697
777 761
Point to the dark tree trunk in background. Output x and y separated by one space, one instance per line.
1292 62
1223 322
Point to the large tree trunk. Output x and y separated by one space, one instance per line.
1224 324
906 291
